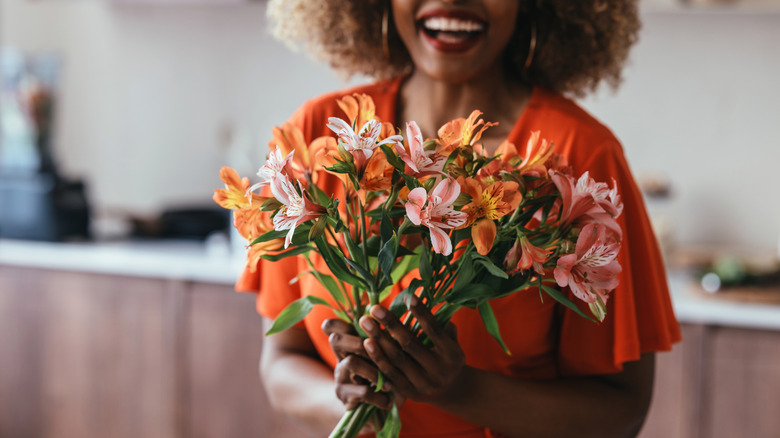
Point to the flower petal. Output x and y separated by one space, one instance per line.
440 241
484 234
447 190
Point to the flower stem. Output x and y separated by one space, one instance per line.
345 419
361 414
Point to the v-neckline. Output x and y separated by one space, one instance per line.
514 133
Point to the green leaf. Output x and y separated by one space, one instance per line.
395 211
270 204
398 307
392 427
491 324
318 229
563 299
330 284
369 279
354 249
386 257
386 228
270 235
336 264
411 182
466 272
429 183
491 267
340 167
392 158
289 253
301 234
294 313
426 270
380 381
471 294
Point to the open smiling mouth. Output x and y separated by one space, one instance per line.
451 34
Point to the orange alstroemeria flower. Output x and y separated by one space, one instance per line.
290 138
248 219
234 195
488 204
537 153
359 108
524 255
461 132
378 174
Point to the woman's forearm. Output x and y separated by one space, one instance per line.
299 385
601 406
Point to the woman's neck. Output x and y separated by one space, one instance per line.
432 103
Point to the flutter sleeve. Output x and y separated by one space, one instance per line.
640 318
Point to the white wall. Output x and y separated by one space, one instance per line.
148 90
701 104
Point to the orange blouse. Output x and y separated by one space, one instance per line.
546 340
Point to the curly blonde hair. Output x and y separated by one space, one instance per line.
579 44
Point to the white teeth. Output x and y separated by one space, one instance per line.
444 24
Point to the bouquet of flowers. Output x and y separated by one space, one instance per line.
466 226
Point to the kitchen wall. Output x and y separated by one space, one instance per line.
156 98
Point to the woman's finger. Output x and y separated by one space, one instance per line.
394 361
342 340
396 377
355 369
335 325
352 394
436 333
407 341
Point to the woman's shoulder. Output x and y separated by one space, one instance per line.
576 134
560 113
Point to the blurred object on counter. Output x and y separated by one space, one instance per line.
657 190
740 275
182 223
36 202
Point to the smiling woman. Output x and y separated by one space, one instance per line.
437 61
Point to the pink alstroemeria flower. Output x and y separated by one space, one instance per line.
297 208
588 199
433 211
364 141
273 166
591 272
420 161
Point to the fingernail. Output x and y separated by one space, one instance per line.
378 311
413 300
387 386
369 346
367 324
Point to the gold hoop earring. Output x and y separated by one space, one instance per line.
529 59
385 30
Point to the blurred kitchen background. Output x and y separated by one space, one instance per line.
123 323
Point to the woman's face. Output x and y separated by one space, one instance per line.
457 40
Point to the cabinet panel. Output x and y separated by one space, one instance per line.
84 356
223 342
674 410
743 384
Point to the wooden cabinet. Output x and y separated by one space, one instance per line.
85 355
720 382
89 355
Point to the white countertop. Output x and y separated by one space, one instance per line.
692 308
173 259
216 263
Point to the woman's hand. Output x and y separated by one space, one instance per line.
354 372
416 371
